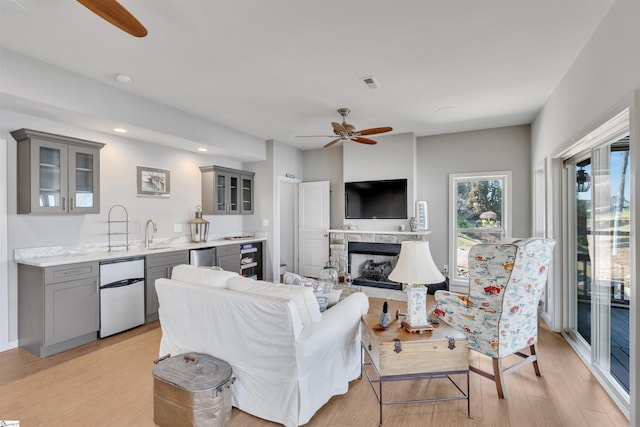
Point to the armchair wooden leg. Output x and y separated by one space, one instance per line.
536 367
498 376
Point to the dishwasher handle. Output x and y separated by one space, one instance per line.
121 283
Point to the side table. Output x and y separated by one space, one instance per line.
393 354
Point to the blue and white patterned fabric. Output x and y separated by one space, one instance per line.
499 314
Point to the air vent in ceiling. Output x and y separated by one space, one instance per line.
370 82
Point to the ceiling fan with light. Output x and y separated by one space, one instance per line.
116 14
347 132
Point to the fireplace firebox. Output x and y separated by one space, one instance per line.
377 263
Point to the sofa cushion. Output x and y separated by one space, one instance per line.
301 296
202 275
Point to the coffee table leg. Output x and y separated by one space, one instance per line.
468 396
380 401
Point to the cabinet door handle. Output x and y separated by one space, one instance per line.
97 286
71 203
64 203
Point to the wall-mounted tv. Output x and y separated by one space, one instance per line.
385 199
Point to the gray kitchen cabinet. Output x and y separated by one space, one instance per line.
57 174
228 257
226 191
58 307
159 266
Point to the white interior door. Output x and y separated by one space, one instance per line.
314 214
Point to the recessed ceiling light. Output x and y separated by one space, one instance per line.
202 149
124 78
120 130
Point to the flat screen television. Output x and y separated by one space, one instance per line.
385 199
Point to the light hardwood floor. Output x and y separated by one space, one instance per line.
109 383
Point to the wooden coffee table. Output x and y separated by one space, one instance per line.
393 354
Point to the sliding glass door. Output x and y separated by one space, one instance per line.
600 253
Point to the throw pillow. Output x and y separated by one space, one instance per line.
322 290
202 276
293 279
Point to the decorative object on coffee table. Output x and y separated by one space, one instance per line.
415 267
385 317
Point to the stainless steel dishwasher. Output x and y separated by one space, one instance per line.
121 295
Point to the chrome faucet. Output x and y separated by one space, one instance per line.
149 239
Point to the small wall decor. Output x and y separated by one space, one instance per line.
154 182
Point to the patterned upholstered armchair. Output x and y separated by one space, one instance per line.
499 314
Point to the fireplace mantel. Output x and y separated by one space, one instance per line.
396 233
339 241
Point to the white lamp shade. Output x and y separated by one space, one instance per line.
415 265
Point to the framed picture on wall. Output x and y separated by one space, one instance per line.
154 182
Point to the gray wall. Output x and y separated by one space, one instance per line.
282 160
501 149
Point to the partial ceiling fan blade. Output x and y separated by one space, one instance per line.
116 14
362 140
374 131
331 143
337 127
315 136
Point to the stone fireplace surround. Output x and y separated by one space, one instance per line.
349 250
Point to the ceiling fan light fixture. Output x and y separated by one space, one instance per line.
347 132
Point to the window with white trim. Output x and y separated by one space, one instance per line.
480 212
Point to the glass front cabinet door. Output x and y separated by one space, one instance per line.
57 174
226 191
247 194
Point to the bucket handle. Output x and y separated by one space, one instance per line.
165 357
187 358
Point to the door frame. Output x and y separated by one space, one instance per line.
275 260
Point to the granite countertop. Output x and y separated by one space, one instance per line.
60 255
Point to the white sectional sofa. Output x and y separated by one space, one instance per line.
288 358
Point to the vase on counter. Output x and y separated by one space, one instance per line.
328 274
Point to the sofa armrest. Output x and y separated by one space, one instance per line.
337 323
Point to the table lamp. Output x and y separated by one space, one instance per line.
415 267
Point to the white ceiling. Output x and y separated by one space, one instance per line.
279 68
